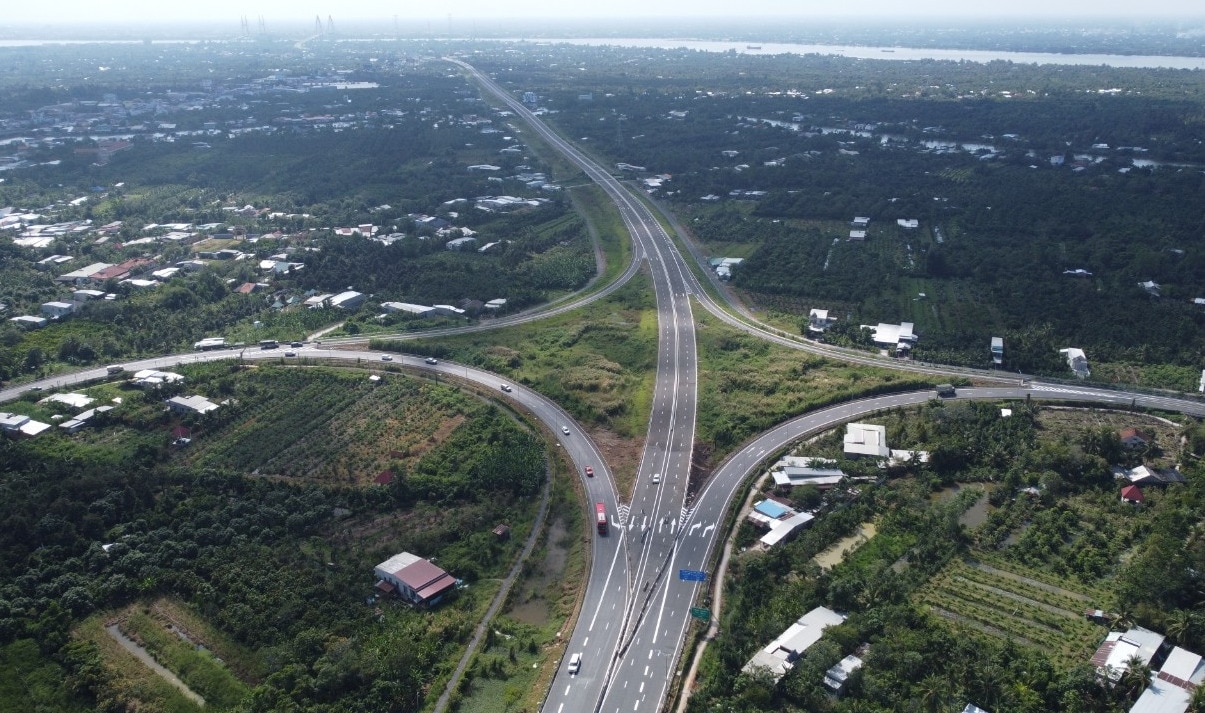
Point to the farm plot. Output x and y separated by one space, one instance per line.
1010 604
335 428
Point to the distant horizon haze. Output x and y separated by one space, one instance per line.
133 12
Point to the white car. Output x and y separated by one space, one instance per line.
565 430
506 388
575 663
431 360
386 357
656 478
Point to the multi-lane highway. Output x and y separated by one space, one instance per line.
635 610
637 676
647 525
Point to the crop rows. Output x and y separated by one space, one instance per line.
1000 604
283 420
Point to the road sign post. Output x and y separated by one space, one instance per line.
701 613
692 575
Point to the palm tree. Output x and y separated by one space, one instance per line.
1197 703
932 693
1136 677
1180 625
1121 619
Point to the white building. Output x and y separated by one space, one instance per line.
818 321
29 321
723 266
151 377
417 310
54 310
908 223
74 400
837 676
1113 656
1077 360
1171 688
779 655
448 311
348 300
802 470
19 426
899 335
865 439
781 530
191 404
84 273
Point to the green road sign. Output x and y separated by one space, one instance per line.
701 613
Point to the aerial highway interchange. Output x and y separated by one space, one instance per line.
635 613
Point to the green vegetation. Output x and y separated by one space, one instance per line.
971 593
747 385
194 665
1002 164
598 362
1011 605
270 573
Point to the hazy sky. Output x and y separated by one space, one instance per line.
62 11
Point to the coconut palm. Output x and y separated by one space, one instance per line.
1180 625
1136 677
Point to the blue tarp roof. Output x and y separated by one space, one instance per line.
769 508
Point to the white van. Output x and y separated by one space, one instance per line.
575 663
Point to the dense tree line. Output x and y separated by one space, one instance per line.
231 546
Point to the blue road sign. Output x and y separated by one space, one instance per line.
692 575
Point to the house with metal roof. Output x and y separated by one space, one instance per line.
414 579
780 655
1112 658
1171 687
802 470
866 440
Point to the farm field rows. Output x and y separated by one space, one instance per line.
1004 603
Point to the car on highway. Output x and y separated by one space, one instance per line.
656 478
575 663
431 360
296 345
37 388
589 471
386 357
506 388
565 430
290 354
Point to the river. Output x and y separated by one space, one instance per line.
772 48
901 53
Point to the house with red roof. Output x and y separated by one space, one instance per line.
1132 494
414 579
1133 438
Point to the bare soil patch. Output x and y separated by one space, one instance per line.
622 454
